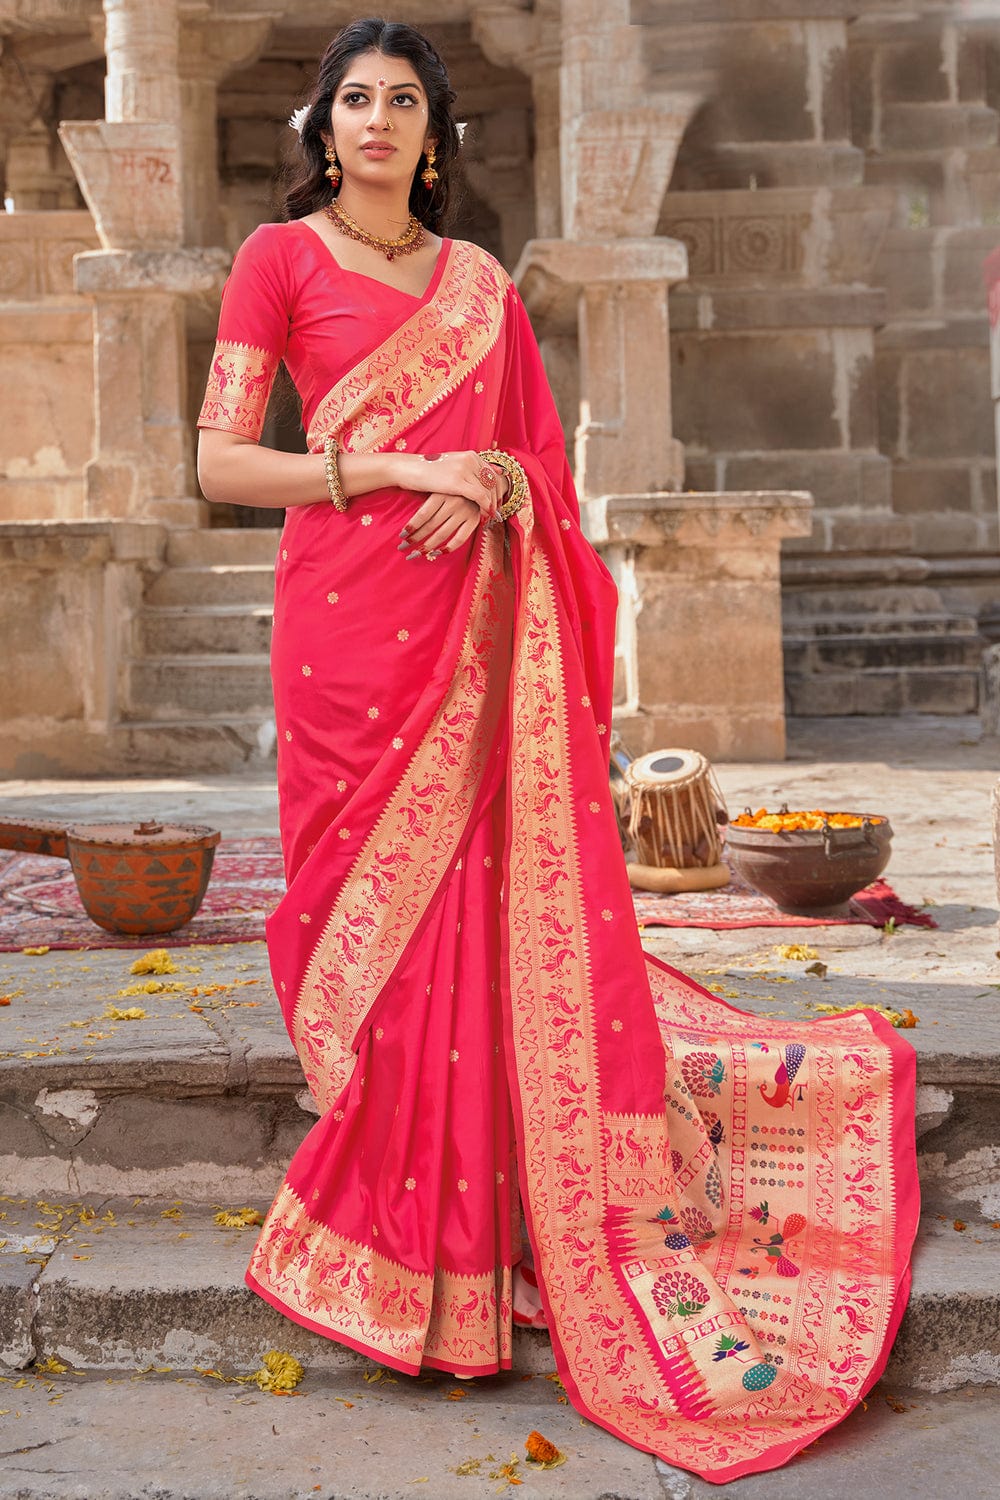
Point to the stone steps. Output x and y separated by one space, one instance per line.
224 546
924 690
214 583
208 630
185 1113
191 1438
158 1282
199 687
157 747
830 650
852 662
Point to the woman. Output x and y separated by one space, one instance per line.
457 956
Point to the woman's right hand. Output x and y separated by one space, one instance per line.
463 474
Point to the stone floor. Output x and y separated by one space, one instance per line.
225 1075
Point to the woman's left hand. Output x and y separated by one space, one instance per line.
442 524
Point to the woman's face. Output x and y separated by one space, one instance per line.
378 121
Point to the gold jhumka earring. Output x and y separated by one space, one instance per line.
428 176
333 170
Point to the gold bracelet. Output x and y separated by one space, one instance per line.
516 475
333 481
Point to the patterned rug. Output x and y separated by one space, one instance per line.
40 908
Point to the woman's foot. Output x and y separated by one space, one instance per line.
528 1310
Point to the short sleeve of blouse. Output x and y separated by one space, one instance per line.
253 334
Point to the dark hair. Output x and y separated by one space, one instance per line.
309 188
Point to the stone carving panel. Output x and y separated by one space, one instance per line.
757 245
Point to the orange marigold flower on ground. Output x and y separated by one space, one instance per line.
543 1453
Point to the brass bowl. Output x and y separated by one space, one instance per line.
812 872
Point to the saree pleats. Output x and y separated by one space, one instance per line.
720 1208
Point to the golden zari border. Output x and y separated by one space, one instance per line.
421 363
238 390
643 1364
408 852
349 1290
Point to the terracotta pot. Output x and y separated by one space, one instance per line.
137 879
812 873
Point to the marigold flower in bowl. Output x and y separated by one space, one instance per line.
809 863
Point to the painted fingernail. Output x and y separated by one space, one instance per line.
411 555
405 531
402 546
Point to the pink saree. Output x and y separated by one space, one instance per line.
720 1208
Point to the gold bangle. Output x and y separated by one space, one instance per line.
518 480
333 480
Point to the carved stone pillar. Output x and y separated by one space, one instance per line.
142 43
615 293
209 50
699 661
618 139
532 41
148 173
38 176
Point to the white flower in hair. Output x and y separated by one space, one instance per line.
298 118
461 128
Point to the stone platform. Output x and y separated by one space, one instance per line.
158 1121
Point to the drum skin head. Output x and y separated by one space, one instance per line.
672 767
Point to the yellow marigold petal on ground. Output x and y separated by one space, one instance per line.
132 1013
796 952
156 961
51 1366
279 1373
35 952
238 1218
902 1020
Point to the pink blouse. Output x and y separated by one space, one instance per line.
288 299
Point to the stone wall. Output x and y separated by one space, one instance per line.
71 591
835 190
46 365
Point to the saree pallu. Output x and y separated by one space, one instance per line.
720 1208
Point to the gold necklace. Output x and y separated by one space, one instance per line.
411 239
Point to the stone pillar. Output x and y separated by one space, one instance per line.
613 294
991 273
70 591
148 173
699 661
699 657
209 50
497 175
142 43
38 176
532 42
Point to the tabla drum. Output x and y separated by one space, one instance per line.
676 810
